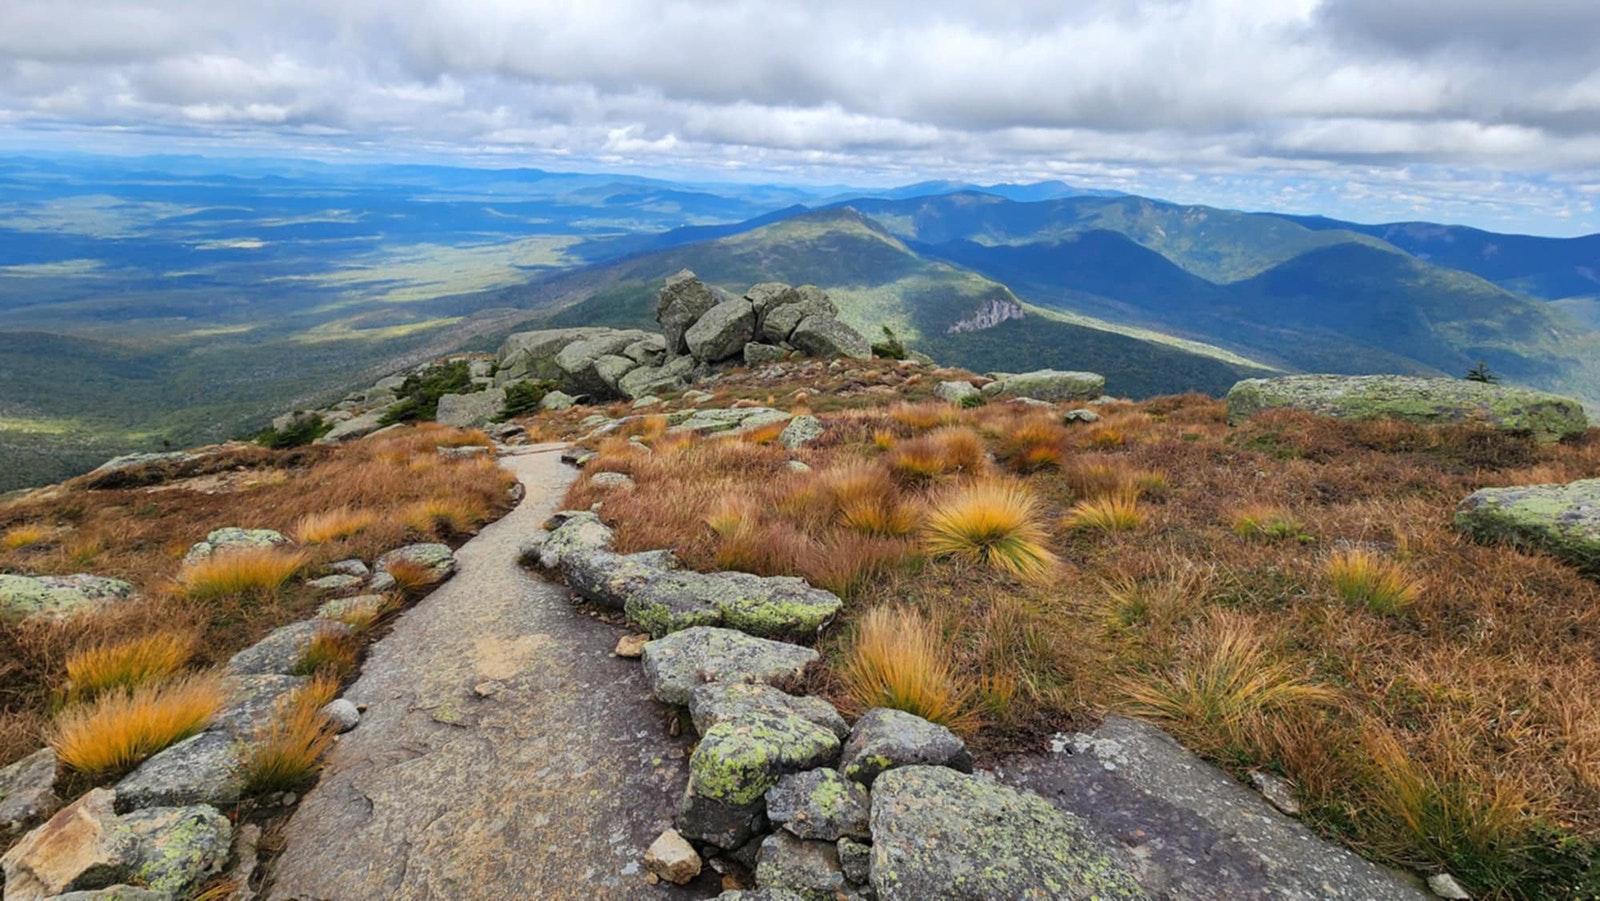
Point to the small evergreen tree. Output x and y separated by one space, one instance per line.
419 394
1482 373
523 397
891 347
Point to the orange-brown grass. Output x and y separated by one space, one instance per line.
119 729
922 417
411 578
1035 443
1107 513
328 525
18 537
128 663
444 517
941 452
332 652
764 434
995 523
1364 578
1092 477
846 562
290 750
897 659
462 438
243 573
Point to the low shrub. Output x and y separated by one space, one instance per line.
524 397
302 430
418 396
119 729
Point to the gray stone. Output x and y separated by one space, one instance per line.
1563 520
681 303
556 401
855 858
1278 791
232 539
381 583
721 332
129 461
573 532
885 738
647 351
471 411
279 653
672 858
760 894
336 583
937 833
532 355
612 367
1050 385
674 665
797 466
763 354
779 322
1080 415
363 604
252 702
610 481
353 428
27 793
86 846
351 567
735 764
649 400
670 376
435 557
202 769
824 336
1424 401
609 579
769 607
1445 886
1190 831
717 702
821 805
802 430
768 295
579 361
809 869
955 392
343 715
52 596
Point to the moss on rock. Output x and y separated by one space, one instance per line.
1563 520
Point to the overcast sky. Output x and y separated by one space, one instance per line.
1478 111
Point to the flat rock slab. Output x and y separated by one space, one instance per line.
553 786
675 665
1561 519
1190 831
1547 417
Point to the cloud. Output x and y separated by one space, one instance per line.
1178 95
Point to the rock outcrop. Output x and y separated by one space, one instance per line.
1049 385
1424 401
1563 520
28 596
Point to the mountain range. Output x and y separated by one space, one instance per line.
182 300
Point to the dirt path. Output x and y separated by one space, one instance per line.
504 752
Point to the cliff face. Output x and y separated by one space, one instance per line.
989 315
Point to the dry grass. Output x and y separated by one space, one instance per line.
1108 513
443 516
1269 524
243 573
129 663
330 525
1364 578
332 652
995 523
290 749
412 578
18 537
897 659
117 730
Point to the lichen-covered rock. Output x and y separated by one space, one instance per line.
681 303
648 351
577 532
86 846
802 430
1424 401
760 894
351 567
734 765
1563 520
825 336
27 792
821 805
709 421
937 833
609 579
717 702
610 369
1050 385
722 331
353 428
756 354
1080 415
676 664
115 893
609 481
671 375
556 401
955 392
885 738
672 858
437 558
471 411
279 653
50 596
232 539
810 869
855 858
767 295
769 607
784 312
359 605
578 361
336 583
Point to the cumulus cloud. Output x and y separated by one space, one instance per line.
1225 101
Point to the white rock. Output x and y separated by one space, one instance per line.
342 715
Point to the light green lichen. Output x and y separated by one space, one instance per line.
738 760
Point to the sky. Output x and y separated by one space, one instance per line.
1482 112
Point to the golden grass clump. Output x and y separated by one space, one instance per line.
944 451
119 729
332 651
993 522
886 516
1035 443
1108 513
18 537
1381 586
411 577
896 659
246 572
922 417
129 663
291 748
331 525
1224 691
444 516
